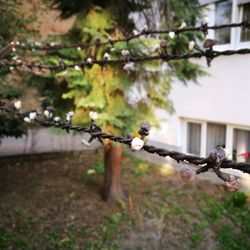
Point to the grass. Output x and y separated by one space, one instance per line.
47 206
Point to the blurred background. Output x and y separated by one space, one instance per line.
51 183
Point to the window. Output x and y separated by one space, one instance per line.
216 135
245 33
193 138
223 15
241 145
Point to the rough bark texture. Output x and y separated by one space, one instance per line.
112 178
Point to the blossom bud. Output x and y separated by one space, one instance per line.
69 116
137 144
135 32
191 45
232 186
27 119
187 173
90 60
57 119
183 26
32 115
93 115
46 113
106 56
129 66
85 143
17 105
77 68
205 20
125 52
171 34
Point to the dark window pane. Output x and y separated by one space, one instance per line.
245 33
194 138
216 135
223 13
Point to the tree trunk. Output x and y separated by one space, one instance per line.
112 177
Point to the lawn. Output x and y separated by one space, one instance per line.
53 201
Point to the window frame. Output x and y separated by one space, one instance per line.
239 43
236 16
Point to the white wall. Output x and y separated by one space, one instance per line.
222 97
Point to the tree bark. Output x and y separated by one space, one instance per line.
112 177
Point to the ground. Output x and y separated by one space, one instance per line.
53 201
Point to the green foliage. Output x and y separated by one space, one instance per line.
237 199
13 23
110 90
99 167
10 126
122 99
235 210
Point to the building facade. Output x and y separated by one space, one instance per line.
216 110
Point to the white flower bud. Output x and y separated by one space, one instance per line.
91 171
14 49
90 60
171 34
125 52
38 44
112 49
57 119
135 32
191 45
52 44
17 43
93 115
205 20
27 119
129 66
77 68
17 105
46 113
79 48
65 72
137 144
69 116
145 28
19 61
32 115
106 56
157 47
11 68
85 143
183 26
